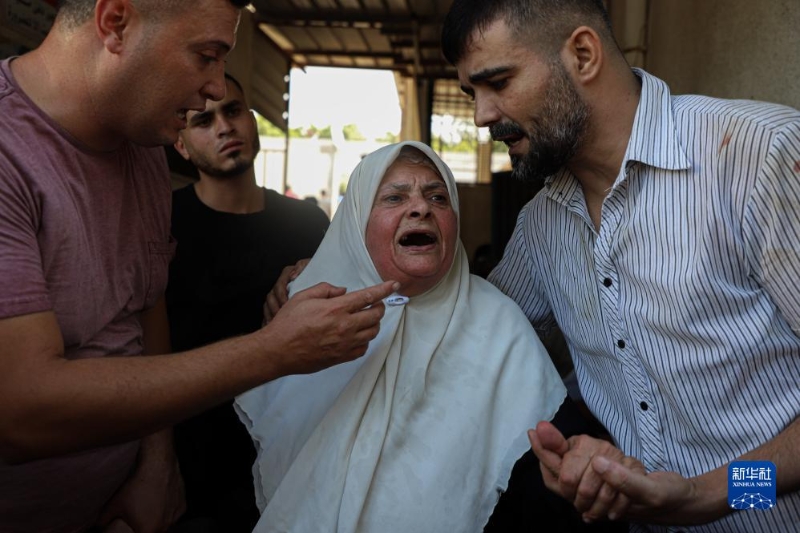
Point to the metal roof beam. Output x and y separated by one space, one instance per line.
343 18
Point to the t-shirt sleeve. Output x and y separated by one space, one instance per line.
23 289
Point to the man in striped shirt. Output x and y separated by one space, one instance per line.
665 245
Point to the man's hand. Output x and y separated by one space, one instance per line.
152 499
656 498
322 326
567 471
279 294
603 483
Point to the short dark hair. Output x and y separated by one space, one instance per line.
546 23
235 82
76 12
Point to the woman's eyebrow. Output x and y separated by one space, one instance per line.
434 185
396 187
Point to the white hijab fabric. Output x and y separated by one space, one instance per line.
418 435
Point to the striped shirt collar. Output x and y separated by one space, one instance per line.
654 139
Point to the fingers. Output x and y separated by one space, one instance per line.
593 495
549 462
577 482
619 507
322 326
613 501
612 472
363 298
598 508
550 447
281 287
279 294
320 290
551 438
271 308
298 268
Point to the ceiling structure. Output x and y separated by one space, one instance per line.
398 35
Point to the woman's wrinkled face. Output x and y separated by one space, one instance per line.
412 229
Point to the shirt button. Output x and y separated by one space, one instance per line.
607 282
621 343
644 406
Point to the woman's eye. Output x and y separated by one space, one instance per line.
497 84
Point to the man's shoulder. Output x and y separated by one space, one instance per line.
755 113
6 87
294 207
182 192
183 198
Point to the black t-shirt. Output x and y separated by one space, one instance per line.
224 266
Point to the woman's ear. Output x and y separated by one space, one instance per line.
111 18
584 54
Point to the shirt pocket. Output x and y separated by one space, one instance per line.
159 256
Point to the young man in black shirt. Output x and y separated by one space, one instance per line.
234 239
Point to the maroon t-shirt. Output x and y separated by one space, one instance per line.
86 235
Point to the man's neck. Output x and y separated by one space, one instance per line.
62 89
234 194
598 163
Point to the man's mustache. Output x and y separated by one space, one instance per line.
505 129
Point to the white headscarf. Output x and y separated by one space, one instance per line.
421 433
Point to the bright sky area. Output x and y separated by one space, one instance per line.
321 96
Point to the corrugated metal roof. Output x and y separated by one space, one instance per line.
398 35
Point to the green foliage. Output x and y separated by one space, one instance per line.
389 138
465 144
351 133
312 131
453 134
267 128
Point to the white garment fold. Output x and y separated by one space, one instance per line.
421 433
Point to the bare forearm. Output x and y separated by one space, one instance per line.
709 500
84 403
50 405
782 452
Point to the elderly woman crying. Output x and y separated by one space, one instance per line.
421 433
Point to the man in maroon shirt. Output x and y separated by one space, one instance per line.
84 251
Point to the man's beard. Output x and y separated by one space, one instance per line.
208 168
557 134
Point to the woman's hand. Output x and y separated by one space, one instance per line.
279 294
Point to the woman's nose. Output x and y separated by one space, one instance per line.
419 208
